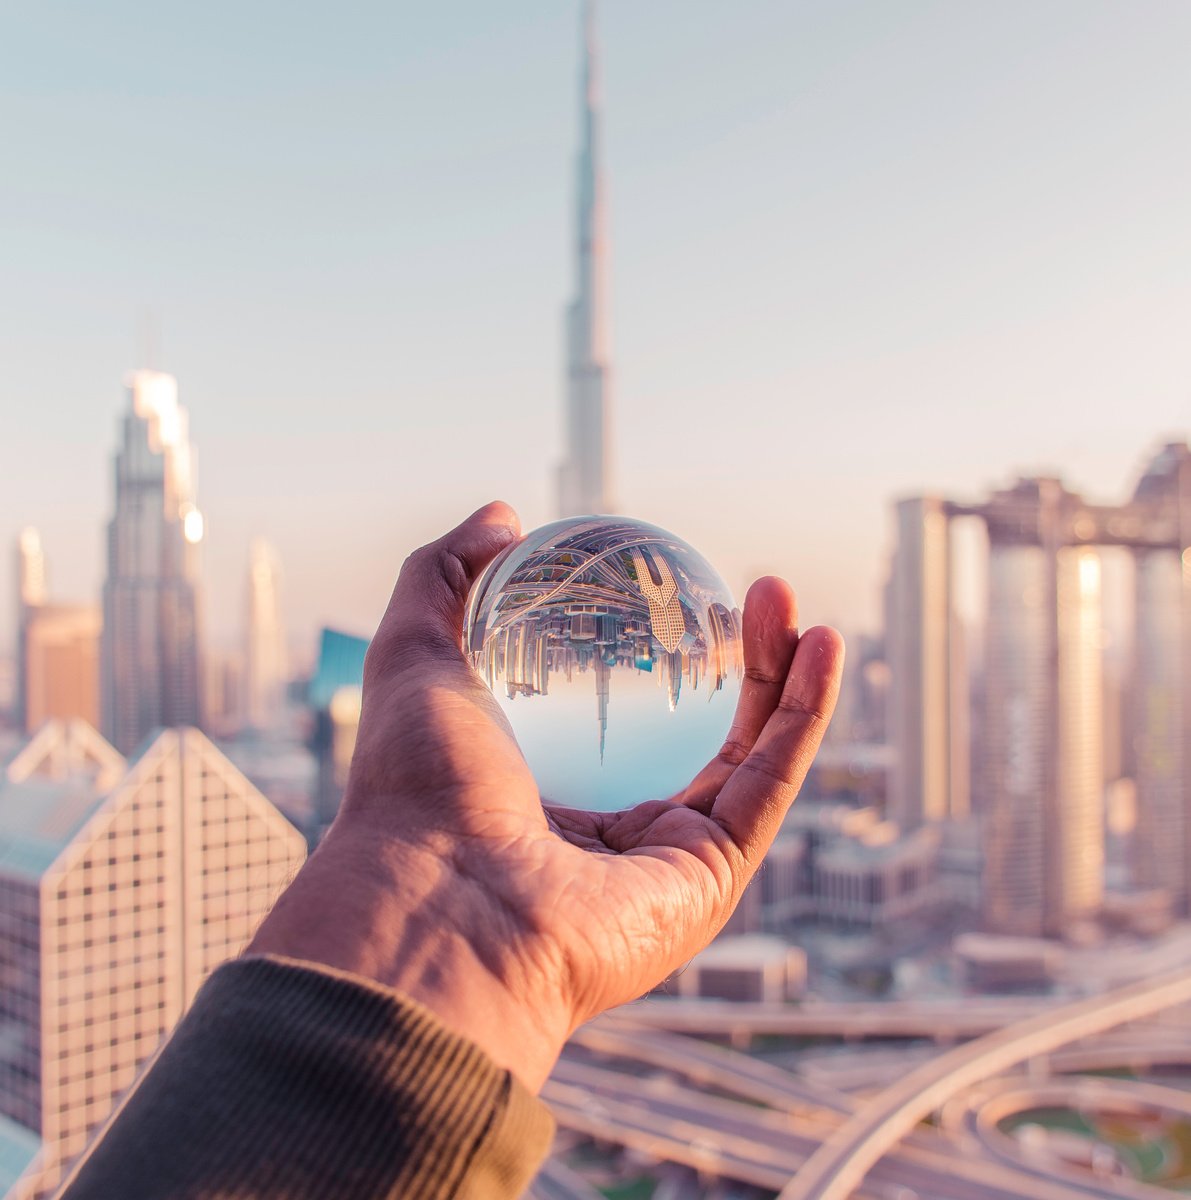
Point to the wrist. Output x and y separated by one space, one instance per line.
396 913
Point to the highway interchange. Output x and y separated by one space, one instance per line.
644 1078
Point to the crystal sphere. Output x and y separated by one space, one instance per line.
614 648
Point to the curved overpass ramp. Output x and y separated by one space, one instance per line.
839 1165
977 1115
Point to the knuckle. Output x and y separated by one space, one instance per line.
813 713
435 561
771 773
757 675
454 570
734 750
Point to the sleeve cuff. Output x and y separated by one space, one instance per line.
288 1079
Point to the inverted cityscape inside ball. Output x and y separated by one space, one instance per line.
614 649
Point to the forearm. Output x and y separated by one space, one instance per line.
286 1082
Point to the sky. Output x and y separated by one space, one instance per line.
858 250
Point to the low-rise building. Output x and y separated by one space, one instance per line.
990 962
846 866
751 967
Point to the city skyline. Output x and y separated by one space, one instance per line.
1034 765
1021 314
901 298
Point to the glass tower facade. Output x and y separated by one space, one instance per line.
150 662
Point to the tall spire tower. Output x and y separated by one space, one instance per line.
583 477
151 663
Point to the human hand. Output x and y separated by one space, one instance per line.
444 875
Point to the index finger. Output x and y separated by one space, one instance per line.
755 799
769 636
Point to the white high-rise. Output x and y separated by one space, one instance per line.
928 699
264 640
151 674
1161 724
583 477
31 596
1044 817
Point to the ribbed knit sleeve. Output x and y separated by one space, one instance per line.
287 1080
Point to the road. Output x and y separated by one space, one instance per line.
555 1181
711 1066
754 1145
836 1170
938 1020
977 1116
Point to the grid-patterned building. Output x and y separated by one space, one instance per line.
121 887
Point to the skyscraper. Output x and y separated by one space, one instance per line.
151 673
31 595
1043 735
61 665
583 477
264 639
1161 724
57 657
122 886
928 700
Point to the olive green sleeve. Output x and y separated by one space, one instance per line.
287 1080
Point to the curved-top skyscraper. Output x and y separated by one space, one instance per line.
583 477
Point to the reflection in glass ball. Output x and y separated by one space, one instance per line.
614 649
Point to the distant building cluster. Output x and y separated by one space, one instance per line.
131 865
139 661
1055 726
845 867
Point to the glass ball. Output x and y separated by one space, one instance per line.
614 649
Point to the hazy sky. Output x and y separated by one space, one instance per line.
858 249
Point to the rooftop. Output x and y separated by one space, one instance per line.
18 1148
38 818
49 788
746 950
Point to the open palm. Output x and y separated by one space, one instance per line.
558 912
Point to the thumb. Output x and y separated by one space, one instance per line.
424 619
